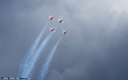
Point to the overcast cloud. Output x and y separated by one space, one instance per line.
95 49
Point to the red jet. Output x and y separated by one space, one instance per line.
51 17
64 31
60 20
51 29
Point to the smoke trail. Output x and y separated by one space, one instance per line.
38 51
32 62
56 27
24 70
47 62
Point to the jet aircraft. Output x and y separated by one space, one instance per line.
51 17
64 32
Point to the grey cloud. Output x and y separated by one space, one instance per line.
95 49
76 72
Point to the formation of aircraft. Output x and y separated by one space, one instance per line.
60 21
51 29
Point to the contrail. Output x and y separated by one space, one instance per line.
56 27
38 52
25 69
45 68
32 61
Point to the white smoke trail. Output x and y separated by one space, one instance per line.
56 27
35 58
25 69
32 62
45 68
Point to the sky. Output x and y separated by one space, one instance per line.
95 49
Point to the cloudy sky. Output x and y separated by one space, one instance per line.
95 49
